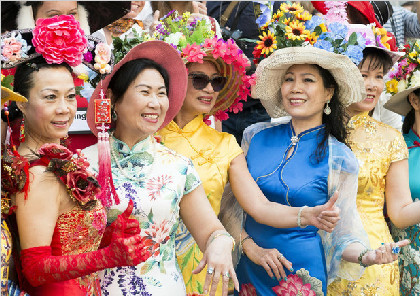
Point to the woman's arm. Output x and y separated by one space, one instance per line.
211 237
253 201
400 206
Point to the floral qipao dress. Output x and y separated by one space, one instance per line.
211 152
155 178
409 258
298 180
376 145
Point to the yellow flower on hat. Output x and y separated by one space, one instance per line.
286 21
297 31
392 86
84 77
313 37
413 54
305 16
294 8
268 43
384 37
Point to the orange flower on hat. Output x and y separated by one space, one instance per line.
268 43
291 8
297 31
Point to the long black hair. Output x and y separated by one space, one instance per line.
410 117
335 122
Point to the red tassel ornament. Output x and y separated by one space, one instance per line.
102 120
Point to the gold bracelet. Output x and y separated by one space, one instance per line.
228 235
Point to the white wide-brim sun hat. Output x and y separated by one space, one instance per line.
270 73
398 103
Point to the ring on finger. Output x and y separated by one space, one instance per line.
280 256
396 250
210 270
226 274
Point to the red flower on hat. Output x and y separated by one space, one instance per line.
193 53
60 39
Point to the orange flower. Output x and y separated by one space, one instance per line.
268 43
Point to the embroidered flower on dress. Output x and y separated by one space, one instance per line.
293 286
247 290
156 184
60 39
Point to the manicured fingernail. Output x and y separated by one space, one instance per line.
292 270
382 244
273 277
285 278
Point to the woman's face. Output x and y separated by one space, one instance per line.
303 93
142 109
136 8
52 8
374 85
51 105
199 101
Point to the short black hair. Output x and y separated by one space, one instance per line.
379 58
129 72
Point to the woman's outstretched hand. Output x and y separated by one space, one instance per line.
385 254
218 258
324 217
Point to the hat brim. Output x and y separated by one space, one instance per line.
270 73
394 55
9 95
166 56
398 103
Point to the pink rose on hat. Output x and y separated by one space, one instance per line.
60 39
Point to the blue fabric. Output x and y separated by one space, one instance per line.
297 181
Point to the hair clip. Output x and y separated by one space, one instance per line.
33 66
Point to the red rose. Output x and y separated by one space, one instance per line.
60 39
55 151
82 186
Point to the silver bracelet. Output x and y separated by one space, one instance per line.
298 217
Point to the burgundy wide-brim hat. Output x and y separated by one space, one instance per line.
164 55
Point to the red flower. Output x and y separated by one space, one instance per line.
247 290
60 39
193 53
82 186
55 151
293 286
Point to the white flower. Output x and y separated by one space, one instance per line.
415 79
402 85
174 38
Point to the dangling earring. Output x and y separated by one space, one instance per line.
327 109
22 131
114 115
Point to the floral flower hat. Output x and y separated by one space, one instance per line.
58 39
404 79
195 41
293 36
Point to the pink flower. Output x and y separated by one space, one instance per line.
99 221
60 39
193 53
11 49
102 53
156 235
221 115
88 57
247 290
156 185
293 287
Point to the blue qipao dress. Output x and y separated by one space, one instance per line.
297 181
409 259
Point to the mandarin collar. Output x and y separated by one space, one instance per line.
139 147
358 119
190 127
306 134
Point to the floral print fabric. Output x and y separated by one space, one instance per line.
162 177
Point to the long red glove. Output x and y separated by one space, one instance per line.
41 267
131 227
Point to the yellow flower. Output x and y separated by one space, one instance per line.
268 43
384 37
413 54
286 21
305 16
296 30
2 76
323 27
294 8
392 86
313 38
277 15
84 77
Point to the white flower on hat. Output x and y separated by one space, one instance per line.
174 38
415 79
402 85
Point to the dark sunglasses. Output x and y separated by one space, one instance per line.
200 81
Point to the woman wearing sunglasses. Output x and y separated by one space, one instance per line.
217 82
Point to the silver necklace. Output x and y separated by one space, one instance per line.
122 170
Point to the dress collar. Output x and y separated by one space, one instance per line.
358 120
413 139
304 135
139 147
190 127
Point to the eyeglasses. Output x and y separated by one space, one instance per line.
200 81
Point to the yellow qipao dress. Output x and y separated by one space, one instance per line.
211 152
376 145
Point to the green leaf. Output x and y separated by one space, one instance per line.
7 82
352 39
187 258
150 216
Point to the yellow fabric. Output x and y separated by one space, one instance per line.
211 152
6 252
376 145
